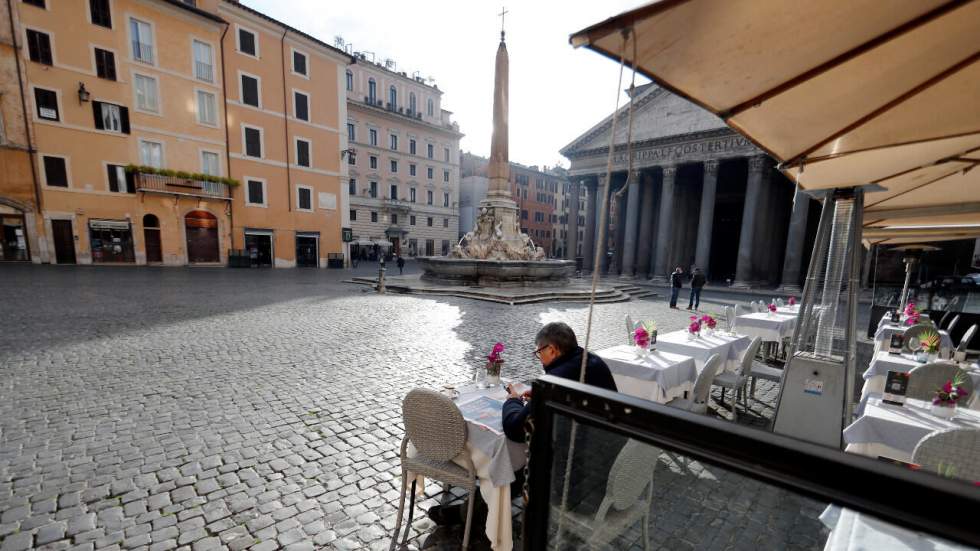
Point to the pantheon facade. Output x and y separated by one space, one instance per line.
700 195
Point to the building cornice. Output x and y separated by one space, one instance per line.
363 107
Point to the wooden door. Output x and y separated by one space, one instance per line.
154 250
64 241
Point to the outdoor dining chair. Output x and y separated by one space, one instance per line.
952 324
698 402
766 373
926 379
731 313
910 339
736 380
780 303
629 493
629 329
437 430
964 344
950 452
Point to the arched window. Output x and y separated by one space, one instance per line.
411 102
151 221
393 97
431 107
372 91
350 81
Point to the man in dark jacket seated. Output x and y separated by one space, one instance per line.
561 356
557 348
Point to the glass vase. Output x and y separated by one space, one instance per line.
943 411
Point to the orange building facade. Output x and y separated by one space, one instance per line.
145 150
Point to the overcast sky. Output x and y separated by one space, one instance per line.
556 92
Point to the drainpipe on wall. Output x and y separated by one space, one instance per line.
285 118
224 99
27 127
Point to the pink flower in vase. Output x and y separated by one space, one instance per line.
912 319
641 337
495 353
792 301
708 321
772 308
910 309
695 326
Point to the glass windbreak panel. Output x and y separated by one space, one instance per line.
609 491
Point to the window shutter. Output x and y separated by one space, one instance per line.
45 49
110 65
113 181
124 119
130 182
97 111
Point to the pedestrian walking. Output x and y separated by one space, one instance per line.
401 264
697 283
675 286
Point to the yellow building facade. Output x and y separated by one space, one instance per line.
140 134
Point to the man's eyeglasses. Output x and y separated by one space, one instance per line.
537 353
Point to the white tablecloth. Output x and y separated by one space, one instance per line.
883 362
852 531
768 327
883 337
893 431
788 310
730 348
659 376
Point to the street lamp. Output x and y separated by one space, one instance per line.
83 94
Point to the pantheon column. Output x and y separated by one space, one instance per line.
743 268
646 224
632 227
707 218
602 190
665 225
795 241
571 221
588 247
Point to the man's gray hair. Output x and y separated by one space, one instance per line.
558 334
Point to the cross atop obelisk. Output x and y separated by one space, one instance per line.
503 12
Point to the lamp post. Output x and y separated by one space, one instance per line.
381 275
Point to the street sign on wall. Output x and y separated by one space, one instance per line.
346 235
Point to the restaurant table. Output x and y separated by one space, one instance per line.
883 362
788 310
768 327
658 376
495 458
850 530
893 431
883 336
887 320
729 347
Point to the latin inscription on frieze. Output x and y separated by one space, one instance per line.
701 149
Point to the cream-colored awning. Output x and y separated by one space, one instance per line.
842 92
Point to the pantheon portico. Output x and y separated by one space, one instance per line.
701 195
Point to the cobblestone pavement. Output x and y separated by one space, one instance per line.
145 408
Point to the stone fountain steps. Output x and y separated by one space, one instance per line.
579 292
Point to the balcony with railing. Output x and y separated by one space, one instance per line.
174 185
142 51
204 71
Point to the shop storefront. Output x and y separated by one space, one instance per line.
258 245
111 241
307 249
13 239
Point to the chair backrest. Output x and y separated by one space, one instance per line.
966 338
730 315
702 386
912 335
950 452
926 379
630 474
629 329
952 324
779 302
749 356
946 317
433 424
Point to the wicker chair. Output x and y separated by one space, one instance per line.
925 380
736 380
698 402
780 303
435 426
762 371
912 335
629 329
730 315
629 492
964 343
950 452
952 324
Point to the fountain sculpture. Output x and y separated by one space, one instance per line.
496 253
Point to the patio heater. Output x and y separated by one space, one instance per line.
816 397
913 254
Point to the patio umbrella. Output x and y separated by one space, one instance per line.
842 92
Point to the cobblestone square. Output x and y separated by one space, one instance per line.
148 408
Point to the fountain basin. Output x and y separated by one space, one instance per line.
496 273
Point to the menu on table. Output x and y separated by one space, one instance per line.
484 410
896 386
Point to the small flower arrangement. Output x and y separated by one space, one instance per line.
930 342
695 328
772 307
791 301
951 392
912 319
708 321
495 360
910 309
641 337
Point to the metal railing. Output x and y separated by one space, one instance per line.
142 51
204 71
155 183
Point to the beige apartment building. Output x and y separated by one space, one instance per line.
176 133
404 165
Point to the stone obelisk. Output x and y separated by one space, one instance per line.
499 200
